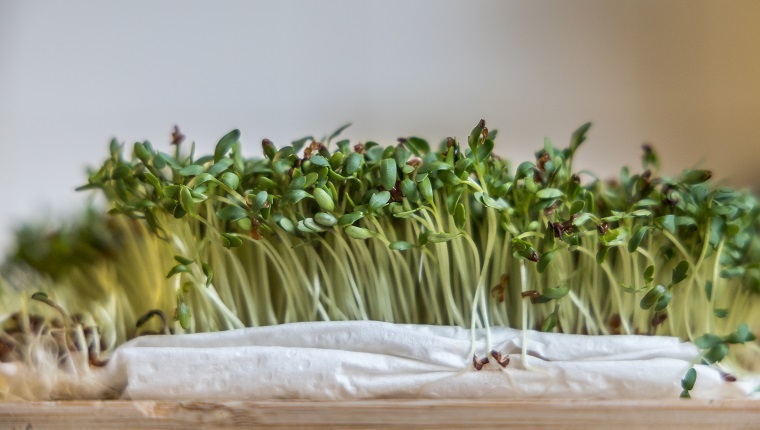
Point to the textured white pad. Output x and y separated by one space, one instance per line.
370 360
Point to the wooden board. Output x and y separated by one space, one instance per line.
406 414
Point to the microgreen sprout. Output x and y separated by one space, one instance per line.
687 383
329 230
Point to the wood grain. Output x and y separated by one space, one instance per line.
414 414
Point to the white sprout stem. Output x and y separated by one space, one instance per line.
613 286
474 320
716 276
211 293
524 343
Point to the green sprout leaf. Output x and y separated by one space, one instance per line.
260 201
524 170
668 222
359 233
680 272
720 313
733 272
544 260
120 172
388 173
270 150
550 322
687 383
179 212
549 194
435 237
225 144
350 218
231 213
460 216
320 161
652 297
663 301
485 149
142 152
295 196
312 226
191 170
162 159
418 146
707 341
635 241
577 206
287 225
336 160
476 135
186 199
409 190
708 289
354 163
400 245
182 260
220 166
232 180
649 274
379 200
426 190
209 272
555 293
40 295
201 179
434 166
183 314
578 137
230 240
692 177
324 200
582 219
716 353
615 237
179 268
337 132
325 219
741 335
524 249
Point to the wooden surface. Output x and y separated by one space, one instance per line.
406 414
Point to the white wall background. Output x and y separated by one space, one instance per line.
681 74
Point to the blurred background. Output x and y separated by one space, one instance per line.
683 75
